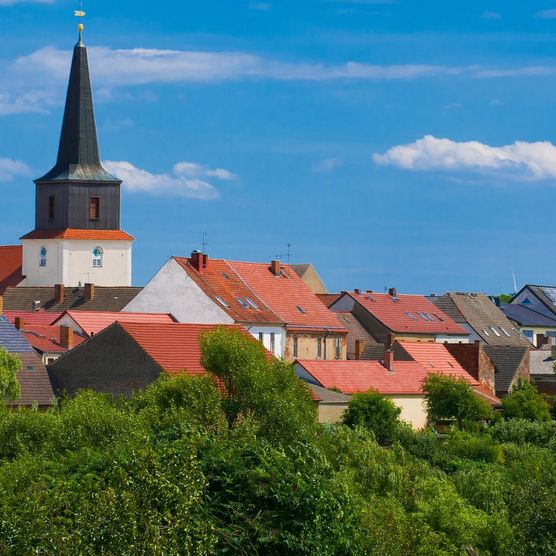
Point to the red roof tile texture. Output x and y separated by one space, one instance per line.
92 322
265 297
413 314
69 233
41 318
47 338
11 257
34 381
175 347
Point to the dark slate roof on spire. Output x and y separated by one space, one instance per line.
78 154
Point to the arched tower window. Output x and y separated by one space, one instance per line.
42 256
97 257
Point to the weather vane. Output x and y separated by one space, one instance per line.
80 14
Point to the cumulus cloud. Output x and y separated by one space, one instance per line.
524 160
328 165
10 169
186 179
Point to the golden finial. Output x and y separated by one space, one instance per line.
80 14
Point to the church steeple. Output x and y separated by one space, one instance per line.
78 153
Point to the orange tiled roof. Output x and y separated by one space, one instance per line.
175 347
265 298
404 313
41 318
11 257
47 338
92 322
69 233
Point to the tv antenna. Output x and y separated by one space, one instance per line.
204 236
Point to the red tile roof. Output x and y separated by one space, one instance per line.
404 314
92 322
351 377
33 317
283 299
94 235
175 347
11 257
47 338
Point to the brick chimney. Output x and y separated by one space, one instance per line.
389 360
359 349
357 291
18 323
275 267
66 337
393 292
59 292
89 292
199 261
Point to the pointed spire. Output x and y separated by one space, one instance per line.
78 154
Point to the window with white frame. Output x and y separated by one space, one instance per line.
98 253
42 256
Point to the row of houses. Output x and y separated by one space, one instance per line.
118 339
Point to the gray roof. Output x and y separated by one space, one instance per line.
373 350
546 294
507 360
327 396
78 153
542 362
488 321
446 304
105 298
525 316
11 339
34 381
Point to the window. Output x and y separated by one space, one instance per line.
97 257
505 331
252 303
242 303
439 318
94 208
301 309
319 347
261 338
486 332
295 347
51 208
495 331
411 315
272 342
221 301
42 256
338 348
529 334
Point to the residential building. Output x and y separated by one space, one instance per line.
535 326
512 364
481 318
37 318
360 344
308 273
408 317
541 299
129 356
77 237
270 300
89 323
32 377
10 266
543 365
57 299
331 405
50 342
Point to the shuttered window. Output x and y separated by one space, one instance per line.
94 208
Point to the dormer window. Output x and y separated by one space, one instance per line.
42 256
98 253
94 208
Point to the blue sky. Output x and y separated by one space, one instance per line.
392 143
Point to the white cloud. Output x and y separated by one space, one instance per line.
328 165
524 160
10 169
187 179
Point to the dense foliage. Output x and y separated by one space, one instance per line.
9 367
524 402
239 466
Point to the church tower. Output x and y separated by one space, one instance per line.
77 237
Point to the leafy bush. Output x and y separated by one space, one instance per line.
374 412
9 367
524 402
523 431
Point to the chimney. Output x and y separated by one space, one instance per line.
389 360
390 339
59 293
357 291
66 337
18 323
89 292
359 349
275 268
393 292
199 260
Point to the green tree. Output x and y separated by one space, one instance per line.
525 402
374 412
9 367
453 398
